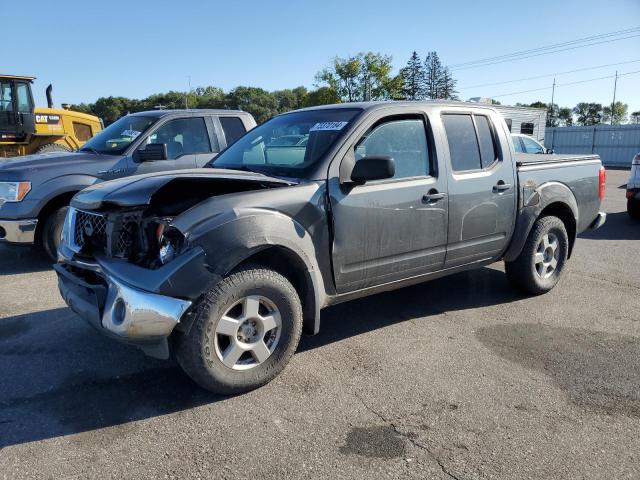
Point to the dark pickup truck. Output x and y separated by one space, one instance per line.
227 266
35 190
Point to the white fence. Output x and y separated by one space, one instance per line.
616 144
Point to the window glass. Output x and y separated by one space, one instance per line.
463 144
183 136
24 105
82 131
233 128
485 137
270 147
6 104
517 144
531 146
115 139
403 140
526 128
509 123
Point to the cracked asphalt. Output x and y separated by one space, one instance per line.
458 378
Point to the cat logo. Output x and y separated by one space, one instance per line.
48 119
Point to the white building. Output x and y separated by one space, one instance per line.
527 120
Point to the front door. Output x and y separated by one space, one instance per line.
7 111
388 230
482 188
185 138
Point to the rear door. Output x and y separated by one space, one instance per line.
185 138
482 191
389 230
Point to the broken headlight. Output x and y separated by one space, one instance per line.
171 242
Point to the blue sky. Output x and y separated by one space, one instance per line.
136 48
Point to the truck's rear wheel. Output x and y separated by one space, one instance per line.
52 232
539 265
633 208
52 147
245 330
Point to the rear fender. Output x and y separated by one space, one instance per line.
534 202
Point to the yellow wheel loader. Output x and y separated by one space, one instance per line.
25 129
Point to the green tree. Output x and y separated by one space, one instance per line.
363 77
447 89
290 99
619 113
588 113
321 96
414 80
635 117
257 101
433 73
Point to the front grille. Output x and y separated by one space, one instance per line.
90 227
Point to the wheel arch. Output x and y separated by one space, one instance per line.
551 198
51 205
291 266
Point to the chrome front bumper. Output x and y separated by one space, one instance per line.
18 231
121 311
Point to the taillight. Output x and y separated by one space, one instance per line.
602 183
629 193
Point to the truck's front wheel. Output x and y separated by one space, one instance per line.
52 232
245 330
539 265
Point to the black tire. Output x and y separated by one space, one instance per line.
52 232
196 352
633 208
523 273
52 147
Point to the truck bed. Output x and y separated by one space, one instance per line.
528 159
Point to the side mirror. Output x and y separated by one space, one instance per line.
549 151
373 168
153 151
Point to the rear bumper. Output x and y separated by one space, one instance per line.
18 231
123 312
599 221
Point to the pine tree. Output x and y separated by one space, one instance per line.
413 79
447 89
433 74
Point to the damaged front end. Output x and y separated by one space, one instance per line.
125 269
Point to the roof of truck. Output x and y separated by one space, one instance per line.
206 111
408 103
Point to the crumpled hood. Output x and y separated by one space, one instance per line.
139 190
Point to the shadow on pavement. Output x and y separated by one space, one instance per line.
59 377
583 363
619 226
22 260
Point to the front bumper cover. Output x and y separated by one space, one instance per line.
18 231
123 312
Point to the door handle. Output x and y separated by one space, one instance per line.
433 196
501 187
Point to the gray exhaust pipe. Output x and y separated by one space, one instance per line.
49 98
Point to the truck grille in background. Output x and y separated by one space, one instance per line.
90 225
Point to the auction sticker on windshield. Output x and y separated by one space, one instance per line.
328 126
130 133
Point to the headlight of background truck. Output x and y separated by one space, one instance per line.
13 191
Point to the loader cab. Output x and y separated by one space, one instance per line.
17 118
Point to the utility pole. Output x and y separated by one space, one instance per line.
613 104
186 97
553 93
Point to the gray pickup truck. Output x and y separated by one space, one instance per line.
226 266
35 190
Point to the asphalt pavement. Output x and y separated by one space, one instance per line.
458 378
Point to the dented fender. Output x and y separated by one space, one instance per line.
532 203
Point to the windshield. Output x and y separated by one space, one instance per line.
115 139
287 145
